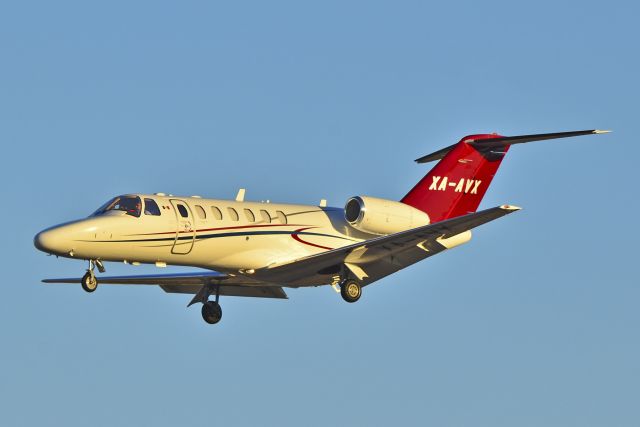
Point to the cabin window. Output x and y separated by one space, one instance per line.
201 213
216 213
233 214
282 218
151 207
250 216
183 211
265 216
131 205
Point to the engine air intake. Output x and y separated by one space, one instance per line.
353 209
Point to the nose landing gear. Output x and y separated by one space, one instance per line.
89 281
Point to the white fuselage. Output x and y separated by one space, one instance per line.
224 235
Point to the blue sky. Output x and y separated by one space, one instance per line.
533 323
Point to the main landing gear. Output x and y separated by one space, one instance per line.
89 281
350 290
211 310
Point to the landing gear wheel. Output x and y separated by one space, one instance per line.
211 312
351 291
89 282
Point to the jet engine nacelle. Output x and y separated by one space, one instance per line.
380 216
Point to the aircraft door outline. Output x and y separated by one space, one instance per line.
185 229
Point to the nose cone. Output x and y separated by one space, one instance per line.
52 241
71 239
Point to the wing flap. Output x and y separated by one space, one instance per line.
231 290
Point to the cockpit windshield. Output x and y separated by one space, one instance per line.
131 205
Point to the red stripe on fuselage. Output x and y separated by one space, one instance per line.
297 238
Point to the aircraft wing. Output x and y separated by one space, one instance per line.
376 258
192 283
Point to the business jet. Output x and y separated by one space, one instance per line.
255 249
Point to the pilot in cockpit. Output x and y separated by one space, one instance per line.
135 211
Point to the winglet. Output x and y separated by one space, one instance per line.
240 196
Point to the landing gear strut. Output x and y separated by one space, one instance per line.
211 310
89 281
350 290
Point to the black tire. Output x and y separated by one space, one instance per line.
89 282
351 291
211 312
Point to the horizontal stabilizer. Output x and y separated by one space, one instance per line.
501 141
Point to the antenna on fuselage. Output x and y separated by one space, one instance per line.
240 196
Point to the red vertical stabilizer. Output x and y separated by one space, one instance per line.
457 184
